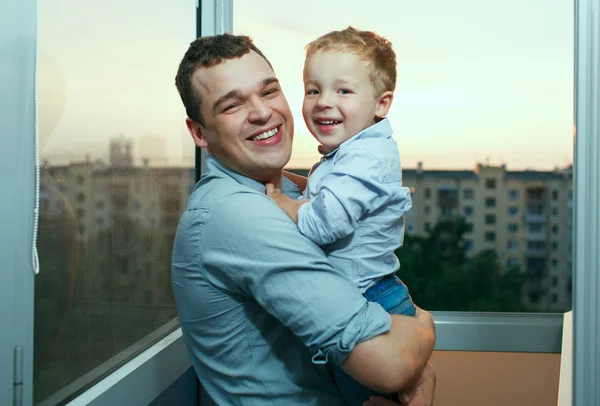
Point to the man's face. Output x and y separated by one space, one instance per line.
249 125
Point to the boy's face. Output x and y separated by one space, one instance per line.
339 97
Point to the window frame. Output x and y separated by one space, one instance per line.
457 331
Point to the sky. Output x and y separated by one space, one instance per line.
478 81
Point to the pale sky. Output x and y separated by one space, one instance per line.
477 80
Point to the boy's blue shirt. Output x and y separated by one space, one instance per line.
357 205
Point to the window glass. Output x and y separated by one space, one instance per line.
471 108
116 169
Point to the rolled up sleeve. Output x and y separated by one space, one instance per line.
249 242
352 189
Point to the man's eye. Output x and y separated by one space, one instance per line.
229 107
269 92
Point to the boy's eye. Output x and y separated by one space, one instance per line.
344 91
312 92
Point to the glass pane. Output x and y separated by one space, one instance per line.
117 167
483 114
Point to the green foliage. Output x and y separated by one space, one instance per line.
440 276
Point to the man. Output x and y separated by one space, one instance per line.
263 313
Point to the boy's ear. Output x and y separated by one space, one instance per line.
384 102
197 133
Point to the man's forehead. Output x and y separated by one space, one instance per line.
248 71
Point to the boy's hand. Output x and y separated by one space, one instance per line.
288 205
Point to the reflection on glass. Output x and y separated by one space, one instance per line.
117 167
483 120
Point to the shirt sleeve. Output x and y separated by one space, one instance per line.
358 184
250 243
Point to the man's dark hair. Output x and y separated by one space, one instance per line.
206 52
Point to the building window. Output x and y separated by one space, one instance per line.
490 219
468 194
555 229
554 264
427 193
513 228
555 211
468 210
512 263
410 228
490 183
448 211
427 210
80 179
490 236
535 228
468 245
554 298
490 202
80 197
554 246
513 211
427 227
80 213
513 194
512 245
555 194
469 228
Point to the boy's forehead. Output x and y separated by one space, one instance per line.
335 63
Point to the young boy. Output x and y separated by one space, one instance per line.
354 201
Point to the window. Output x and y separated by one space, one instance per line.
466 91
426 209
513 227
555 194
555 229
468 245
512 263
469 228
490 219
554 246
535 228
512 245
92 297
513 211
490 236
555 211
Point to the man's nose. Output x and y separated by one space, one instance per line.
259 110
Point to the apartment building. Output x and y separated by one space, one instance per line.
525 216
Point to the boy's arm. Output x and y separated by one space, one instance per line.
287 204
299 180
357 185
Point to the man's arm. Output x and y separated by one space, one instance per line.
395 358
260 251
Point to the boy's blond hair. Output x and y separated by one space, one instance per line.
369 47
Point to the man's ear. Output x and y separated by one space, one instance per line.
197 133
384 103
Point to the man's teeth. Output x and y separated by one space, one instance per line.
265 135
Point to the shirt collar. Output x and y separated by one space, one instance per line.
382 129
214 166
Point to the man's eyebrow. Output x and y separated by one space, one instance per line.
229 95
237 93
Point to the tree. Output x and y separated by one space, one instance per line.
441 277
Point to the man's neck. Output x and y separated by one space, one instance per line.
275 178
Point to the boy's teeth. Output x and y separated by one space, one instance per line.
327 122
265 135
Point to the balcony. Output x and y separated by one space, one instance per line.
535 218
536 236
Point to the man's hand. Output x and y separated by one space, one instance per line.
288 205
421 394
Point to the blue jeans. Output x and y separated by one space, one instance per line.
393 296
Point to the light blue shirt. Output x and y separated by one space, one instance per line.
261 308
357 205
